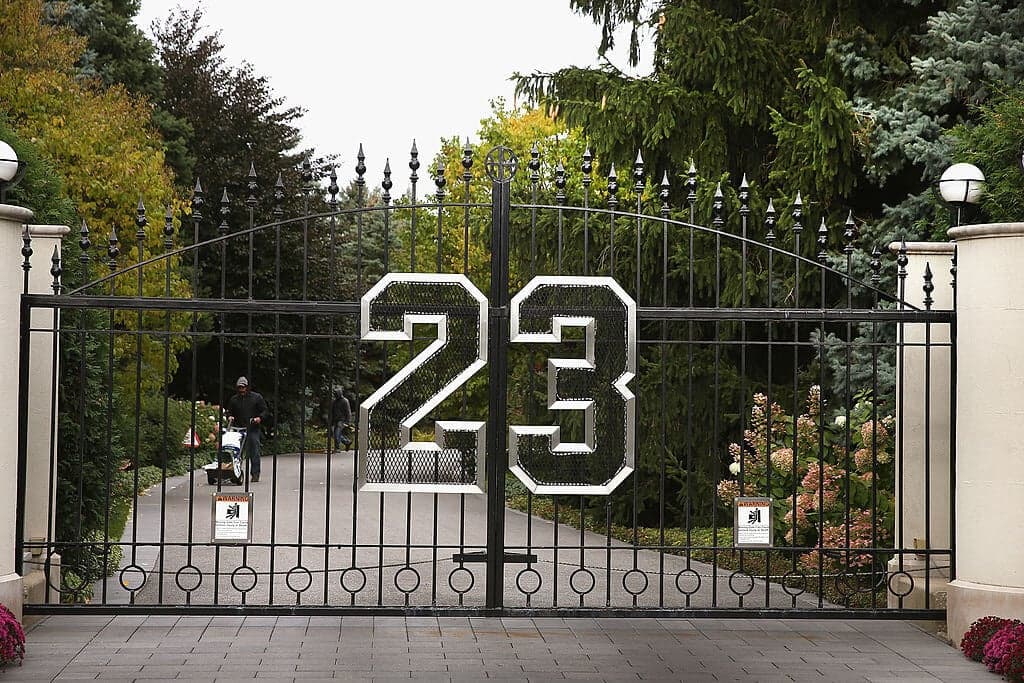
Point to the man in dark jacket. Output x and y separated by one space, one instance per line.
341 419
248 409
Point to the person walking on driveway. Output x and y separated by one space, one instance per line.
341 419
248 409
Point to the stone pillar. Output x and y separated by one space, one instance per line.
921 373
12 223
41 474
990 412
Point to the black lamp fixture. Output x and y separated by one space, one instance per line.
12 170
961 186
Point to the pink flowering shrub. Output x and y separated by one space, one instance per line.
977 636
12 638
1004 652
815 469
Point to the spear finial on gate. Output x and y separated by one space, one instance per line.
279 196
168 228
197 201
691 186
613 188
83 244
929 287
587 166
360 166
252 186
664 195
744 196
467 162
140 223
439 180
112 250
849 234
55 269
718 208
876 266
414 162
770 216
798 214
225 209
822 241
386 184
26 251
333 189
534 163
638 175
560 183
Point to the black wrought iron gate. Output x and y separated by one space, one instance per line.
745 372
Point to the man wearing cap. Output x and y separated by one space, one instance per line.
248 409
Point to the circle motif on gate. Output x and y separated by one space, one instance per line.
188 578
407 579
501 164
461 580
353 579
634 582
243 579
741 583
299 579
528 581
582 581
688 582
133 578
794 582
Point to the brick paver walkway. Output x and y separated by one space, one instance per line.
304 649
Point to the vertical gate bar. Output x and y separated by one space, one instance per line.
497 435
928 287
952 427
386 184
278 213
332 294
414 165
222 230
822 235
534 166
770 216
665 208
140 238
876 265
797 212
901 261
848 235
112 253
25 319
744 197
307 191
51 486
250 203
439 182
638 186
587 168
197 206
691 199
168 245
716 224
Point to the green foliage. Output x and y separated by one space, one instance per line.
994 144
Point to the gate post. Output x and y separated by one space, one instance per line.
12 222
923 504
990 411
497 429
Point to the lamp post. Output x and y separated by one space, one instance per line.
961 185
11 170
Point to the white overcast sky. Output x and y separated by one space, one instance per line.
382 72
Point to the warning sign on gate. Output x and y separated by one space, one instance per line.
232 517
753 524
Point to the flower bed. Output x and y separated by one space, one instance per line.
12 638
999 644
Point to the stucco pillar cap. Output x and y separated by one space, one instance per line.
17 214
986 230
924 248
